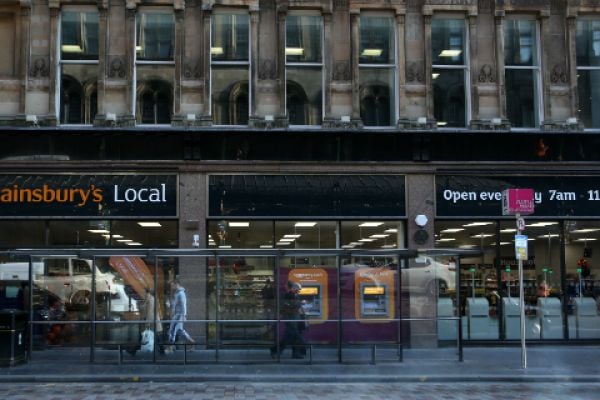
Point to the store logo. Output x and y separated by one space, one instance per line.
143 195
48 195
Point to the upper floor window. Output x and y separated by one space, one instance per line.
588 72
377 70
522 73
304 69
449 72
154 67
155 36
230 69
78 67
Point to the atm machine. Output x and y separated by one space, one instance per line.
373 300
310 294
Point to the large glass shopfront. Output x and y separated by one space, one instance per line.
561 280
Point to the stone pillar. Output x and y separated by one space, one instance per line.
355 33
281 14
401 63
130 60
102 56
254 20
206 21
53 67
327 61
193 270
571 63
473 73
428 83
544 67
24 53
421 192
499 19
179 54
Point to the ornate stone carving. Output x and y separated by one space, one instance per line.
341 5
414 72
117 68
39 68
192 70
486 74
559 74
267 70
341 70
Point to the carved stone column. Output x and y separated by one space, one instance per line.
206 20
53 111
179 54
130 57
428 83
327 61
401 63
355 31
473 73
281 14
499 19
254 45
544 66
102 58
24 53
571 63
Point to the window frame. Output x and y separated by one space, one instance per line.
587 18
307 65
62 62
465 67
536 69
164 63
392 67
218 63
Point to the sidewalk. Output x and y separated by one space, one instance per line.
495 364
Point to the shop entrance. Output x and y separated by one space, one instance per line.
241 305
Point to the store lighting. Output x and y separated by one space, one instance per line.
217 51
504 243
370 224
585 239
292 236
442 123
550 235
287 239
392 230
541 224
508 230
379 236
452 230
304 224
481 235
124 240
356 243
477 224
138 49
71 48
133 244
435 75
149 224
466 246
446 240
294 51
587 230
239 224
371 52
347 246
266 246
388 246
225 246
98 231
365 240
283 243
450 53
108 236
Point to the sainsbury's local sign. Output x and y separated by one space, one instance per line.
553 196
88 195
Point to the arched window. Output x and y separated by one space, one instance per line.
375 104
78 102
297 104
154 102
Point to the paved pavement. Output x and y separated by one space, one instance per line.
546 364
297 391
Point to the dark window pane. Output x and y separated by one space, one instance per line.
588 43
304 96
376 40
449 97
79 36
520 98
588 87
447 41
155 102
377 106
303 39
520 43
155 37
230 37
14 234
230 95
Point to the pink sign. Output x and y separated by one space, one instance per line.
517 201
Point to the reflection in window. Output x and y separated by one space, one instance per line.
449 72
522 73
303 54
588 72
376 71
155 37
79 67
230 65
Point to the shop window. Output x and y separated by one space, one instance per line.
522 72
155 67
588 72
79 67
230 63
449 72
377 69
304 66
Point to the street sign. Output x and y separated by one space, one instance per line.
521 247
517 201
520 224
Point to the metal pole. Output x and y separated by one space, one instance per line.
522 308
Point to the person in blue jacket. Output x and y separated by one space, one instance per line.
178 314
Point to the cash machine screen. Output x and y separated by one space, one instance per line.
311 297
373 300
